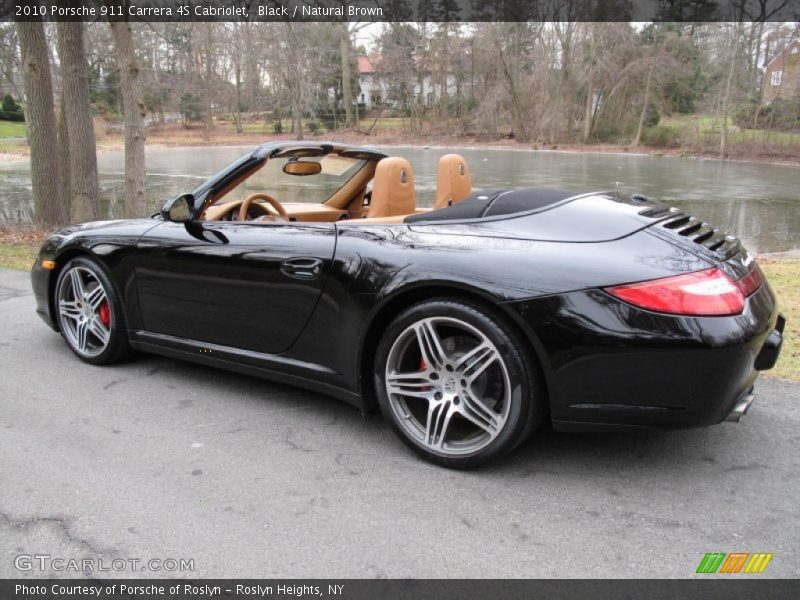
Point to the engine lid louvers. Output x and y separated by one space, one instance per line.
692 229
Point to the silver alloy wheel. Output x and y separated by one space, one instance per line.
448 386
83 311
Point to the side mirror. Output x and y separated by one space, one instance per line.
302 167
178 209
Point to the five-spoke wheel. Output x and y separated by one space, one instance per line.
89 315
448 385
455 382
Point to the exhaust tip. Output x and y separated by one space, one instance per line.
740 409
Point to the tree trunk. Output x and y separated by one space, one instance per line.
588 114
252 78
377 118
84 200
299 131
442 105
643 116
133 112
63 156
758 81
347 90
589 111
238 97
294 81
518 128
48 202
208 85
566 72
723 134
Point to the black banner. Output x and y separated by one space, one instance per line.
731 588
401 10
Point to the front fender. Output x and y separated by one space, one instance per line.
106 241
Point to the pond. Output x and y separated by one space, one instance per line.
758 202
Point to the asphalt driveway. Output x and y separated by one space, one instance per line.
161 459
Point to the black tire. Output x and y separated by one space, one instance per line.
116 347
525 399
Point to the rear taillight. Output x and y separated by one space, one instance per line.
752 281
703 293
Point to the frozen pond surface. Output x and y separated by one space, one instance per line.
758 202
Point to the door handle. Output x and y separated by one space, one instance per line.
302 267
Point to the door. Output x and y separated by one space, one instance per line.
246 285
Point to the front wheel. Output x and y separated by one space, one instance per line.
457 382
89 312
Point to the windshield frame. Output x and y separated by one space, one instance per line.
240 177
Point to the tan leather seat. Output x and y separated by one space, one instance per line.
453 182
393 190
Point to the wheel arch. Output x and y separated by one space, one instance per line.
412 294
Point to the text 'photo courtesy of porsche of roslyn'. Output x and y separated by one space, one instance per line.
441 299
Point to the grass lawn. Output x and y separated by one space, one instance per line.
17 256
709 126
12 129
783 276
286 124
366 123
258 128
784 138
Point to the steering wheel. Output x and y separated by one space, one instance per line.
248 202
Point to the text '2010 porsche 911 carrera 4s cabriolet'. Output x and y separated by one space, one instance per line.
468 324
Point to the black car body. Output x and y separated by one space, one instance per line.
306 303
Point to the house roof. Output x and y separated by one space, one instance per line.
365 65
783 51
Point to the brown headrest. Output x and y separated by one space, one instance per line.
453 182
393 190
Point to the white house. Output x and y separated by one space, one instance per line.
375 91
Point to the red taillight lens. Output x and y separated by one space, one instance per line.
704 293
752 281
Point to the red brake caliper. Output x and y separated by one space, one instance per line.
423 367
104 312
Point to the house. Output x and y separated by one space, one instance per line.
375 88
782 74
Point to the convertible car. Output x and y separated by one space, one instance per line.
468 324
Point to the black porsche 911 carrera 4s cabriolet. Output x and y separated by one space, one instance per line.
468 324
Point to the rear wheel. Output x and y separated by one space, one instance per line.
457 383
89 312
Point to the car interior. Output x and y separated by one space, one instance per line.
333 187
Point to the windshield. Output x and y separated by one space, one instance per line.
270 179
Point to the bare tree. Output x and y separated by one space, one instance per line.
133 111
236 55
9 61
566 33
252 67
588 113
49 207
293 76
736 35
84 200
645 105
347 90
512 51
398 69
208 79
